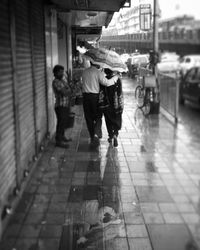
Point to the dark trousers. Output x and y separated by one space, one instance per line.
92 114
62 115
113 122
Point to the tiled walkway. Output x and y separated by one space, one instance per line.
143 195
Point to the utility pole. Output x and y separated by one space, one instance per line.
155 26
156 104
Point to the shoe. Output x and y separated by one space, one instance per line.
110 139
95 141
62 144
100 136
115 142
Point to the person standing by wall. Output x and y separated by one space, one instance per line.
62 92
92 77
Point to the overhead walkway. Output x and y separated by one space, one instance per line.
143 195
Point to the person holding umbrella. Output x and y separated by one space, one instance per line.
92 77
113 113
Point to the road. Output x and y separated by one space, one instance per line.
189 117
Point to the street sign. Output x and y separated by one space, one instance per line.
145 16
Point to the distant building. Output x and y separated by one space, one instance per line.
180 22
127 21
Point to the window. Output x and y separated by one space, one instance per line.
191 74
187 60
198 74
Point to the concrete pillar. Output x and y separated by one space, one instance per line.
62 44
69 50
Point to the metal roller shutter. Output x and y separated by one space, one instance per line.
25 83
7 127
38 47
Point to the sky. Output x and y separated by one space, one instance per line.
171 8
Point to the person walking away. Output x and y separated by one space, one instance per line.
62 92
113 114
92 77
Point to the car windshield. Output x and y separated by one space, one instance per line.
139 60
169 58
193 74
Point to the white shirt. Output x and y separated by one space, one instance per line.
92 77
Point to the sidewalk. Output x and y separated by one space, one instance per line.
143 195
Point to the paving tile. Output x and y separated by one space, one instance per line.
59 197
149 207
48 243
136 231
24 203
30 231
153 218
173 218
90 192
79 175
137 166
140 183
180 198
116 244
54 218
7 244
114 230
42 198
168 207
153 194
78 181
17 218
24 244
81 166
185 207
195 230
72 233
38 208
133 218
128 197
139 244
131 207
59 207
34 218
191 218
51 231
169 237
126 189
76 194
83 148
12 231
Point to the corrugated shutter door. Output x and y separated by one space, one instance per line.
39 67
7 129
25 82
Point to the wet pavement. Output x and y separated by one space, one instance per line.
142 195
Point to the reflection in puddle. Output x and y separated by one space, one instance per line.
89 234
100 215
150 167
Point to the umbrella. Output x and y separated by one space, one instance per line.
106 59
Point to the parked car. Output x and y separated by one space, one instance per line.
190 86
189 61
124 57
169 64
135 62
